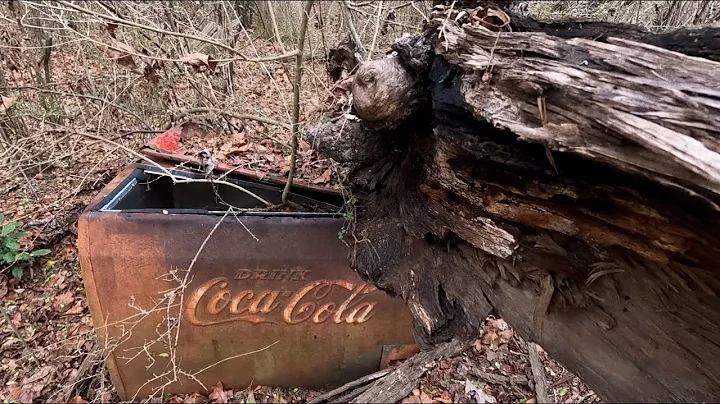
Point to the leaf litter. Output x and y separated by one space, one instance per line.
49 311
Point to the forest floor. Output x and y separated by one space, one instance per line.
47 342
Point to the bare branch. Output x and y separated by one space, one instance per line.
262 119
296 100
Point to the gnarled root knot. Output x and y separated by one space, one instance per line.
385 93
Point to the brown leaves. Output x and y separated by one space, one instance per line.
122 54
61 303
32 387
194 398
325 177
77 400
6 103
218 395
498 332
418 397
200 62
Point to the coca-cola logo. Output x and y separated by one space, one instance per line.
220 300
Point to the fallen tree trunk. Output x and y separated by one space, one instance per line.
570 185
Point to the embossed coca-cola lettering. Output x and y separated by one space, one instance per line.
272 275
215 302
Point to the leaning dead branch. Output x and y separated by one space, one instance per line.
389 386
538 371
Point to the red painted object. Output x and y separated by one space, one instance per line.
169 141
270 300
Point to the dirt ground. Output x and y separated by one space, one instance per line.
47 343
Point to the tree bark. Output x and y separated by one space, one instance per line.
570 185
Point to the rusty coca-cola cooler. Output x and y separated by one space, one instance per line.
270 298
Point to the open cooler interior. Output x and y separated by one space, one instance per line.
149 189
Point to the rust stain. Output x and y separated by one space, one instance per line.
293 286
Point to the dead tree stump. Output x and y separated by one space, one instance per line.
569 183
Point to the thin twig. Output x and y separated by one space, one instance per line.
275 26
15 331
171 33
296 100
234 357
377 30
133 152
258 118
351 26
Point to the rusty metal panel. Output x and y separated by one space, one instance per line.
173 331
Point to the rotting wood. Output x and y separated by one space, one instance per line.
391 385
402 379
609 265
538 371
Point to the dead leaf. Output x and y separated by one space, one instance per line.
478 393
195 398
17 319
61 303
56 280
238 138
76 309
505 336
489 337
425 399
32 387
325 177
443 398
122 53
191 129
7 102
199 61
13 392
304 146
411 400
77 400
218 394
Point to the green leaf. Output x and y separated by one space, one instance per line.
2 217
17 272
40 253
341 235
562 391
23 256
8 258
8 228
14 236
12 245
